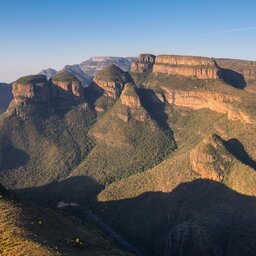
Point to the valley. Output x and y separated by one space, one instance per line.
159 150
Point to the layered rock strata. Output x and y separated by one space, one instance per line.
217 102
143 63
111 81
68 84
211 159
198 67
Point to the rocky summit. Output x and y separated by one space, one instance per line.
157 152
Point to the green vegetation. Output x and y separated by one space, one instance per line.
64 76
33 79
114 74
124 148
27 229
130 90
44 149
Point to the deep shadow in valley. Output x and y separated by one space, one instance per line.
233 78
13 157
155 107
201 217
236 148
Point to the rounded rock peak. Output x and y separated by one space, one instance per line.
112 73
65 77
32 80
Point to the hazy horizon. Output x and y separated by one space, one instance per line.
46 34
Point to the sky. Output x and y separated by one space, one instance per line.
38 34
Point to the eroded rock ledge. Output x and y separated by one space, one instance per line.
217 102
131 107
198 67
35 94
210 159
143 63
111 80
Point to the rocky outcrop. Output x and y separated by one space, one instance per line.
211 159
197 67
111 81
68 85
143 63
35 94
26 91
217 102
34 88
131 107
129 96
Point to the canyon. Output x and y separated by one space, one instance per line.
152 149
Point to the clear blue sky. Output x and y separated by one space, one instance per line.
37 34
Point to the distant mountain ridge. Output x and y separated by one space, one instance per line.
86 69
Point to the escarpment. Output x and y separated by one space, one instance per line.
221 103
143 63
198 67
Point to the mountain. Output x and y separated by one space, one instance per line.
163 154
49 73
97 63
86 69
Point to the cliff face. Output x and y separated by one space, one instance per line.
33 88
214 101
198 67
111 81
68 85
143 63
131 105
26 91
211 159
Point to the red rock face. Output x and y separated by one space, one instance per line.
198 67
111 89
143 63
39 92
73 89
33 91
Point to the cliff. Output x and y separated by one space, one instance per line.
143 63
68 85
29 90
111 80
221 103
210 159
131 107
198 67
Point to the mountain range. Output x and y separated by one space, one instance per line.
157 152
86 69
